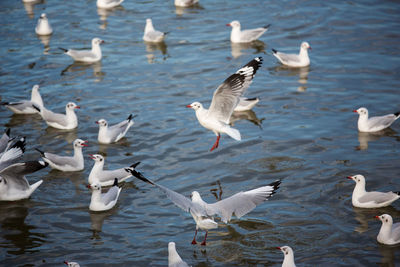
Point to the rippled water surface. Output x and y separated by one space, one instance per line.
303 131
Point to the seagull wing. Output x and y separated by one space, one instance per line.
13 153
253 34
381 121
61 160
14 174
287 58
377 197
52 117
111 195
226 97
242 202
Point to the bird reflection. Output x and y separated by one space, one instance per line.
21 119
53 133
236 48
388 257
214 191
30 5
153 47
179 11
97 220
301 72
45 39
363 216
364 138
104 13
78 67
249 115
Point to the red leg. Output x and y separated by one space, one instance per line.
194 238
204 241
216 143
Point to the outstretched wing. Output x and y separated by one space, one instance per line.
14 175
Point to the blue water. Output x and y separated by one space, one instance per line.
303 131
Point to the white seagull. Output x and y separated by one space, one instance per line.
104 201
106 177
225 99
114 133
363 199
389 234
374 124
288 254
13 184
72 264
108 3
88 56
66 121
293 60
66 163
245 36
25 106
174 260
239 204
151 34
43 26
12 152
185 3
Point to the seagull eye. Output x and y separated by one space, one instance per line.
386 220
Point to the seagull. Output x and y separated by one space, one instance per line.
106 177
43 26
108 3
12 152
225 99
246 36
389 234
72 264
246 103
88 56
5 140
114 133
288 260
364 199
185 3
293 60
239 204
374 124
13 184
57 120
104 201
25 106
151 34
174 260
66 163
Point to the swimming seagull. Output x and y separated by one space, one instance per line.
108 3
174 260
185 3
294 60
72 264
12 152
239 204
43 26
288 254
106 177
104 201
389 234
114 133
363 199
151 34
25 106
245 36
66 163
13 184
66 121
374 124
88 56
225 99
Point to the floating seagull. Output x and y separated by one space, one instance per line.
363 199
108 3
66 121
246 103
288 260
88 56
174 260
239 204
374 124
151 34
104 201
13 184
225 99
25 106
293 60
185 3
389 234
43 26
114 133
106 177
72 264
66 163
246 36
12 152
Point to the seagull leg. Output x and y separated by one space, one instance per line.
204 241
194 238
216 143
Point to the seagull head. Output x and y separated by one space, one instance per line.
97 41
361 111
359 179
305 45
195 196
195 105
94 187
35 88
71 264
80 143
385 218
286 250
234 24
97 157
43 16
72 106
102 123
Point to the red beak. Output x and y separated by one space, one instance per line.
66 262
84 143
97 122
88 186
349 177
355 111
77 107
188 106
310 47
91 156
377 217
278 248
102 42
228 24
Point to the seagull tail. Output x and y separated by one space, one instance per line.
134 165
8 132
274 51
115 182
63 49
232 132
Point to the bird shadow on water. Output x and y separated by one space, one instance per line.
97 220
364 138
151 48
79 68
302 73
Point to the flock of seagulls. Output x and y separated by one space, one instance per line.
228 97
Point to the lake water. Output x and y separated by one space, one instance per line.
303 131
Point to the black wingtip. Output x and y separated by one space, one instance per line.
40 151
4 103
275 184
63 49
134 165
397 192
20 144
7 132
274 51
252 99
267 26
140 176
115 182
36 107
397 114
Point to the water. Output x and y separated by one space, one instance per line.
307 138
